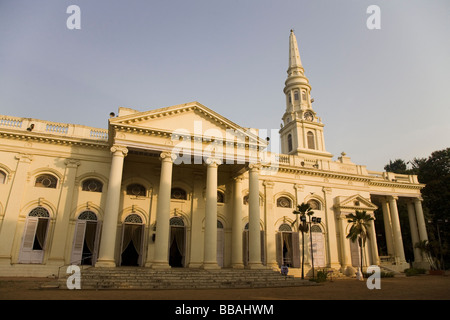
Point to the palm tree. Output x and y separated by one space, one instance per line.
359 230
303 210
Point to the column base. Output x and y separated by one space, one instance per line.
238 266
105 264
210 266
256 266
161 265
5 260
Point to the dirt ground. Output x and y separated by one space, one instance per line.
423 287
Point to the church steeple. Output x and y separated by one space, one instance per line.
302 130
295 64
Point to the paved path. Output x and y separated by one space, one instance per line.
424 287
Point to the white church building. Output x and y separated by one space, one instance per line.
184 187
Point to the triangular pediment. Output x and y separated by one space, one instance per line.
192 118
355 203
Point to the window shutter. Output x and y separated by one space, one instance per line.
28 240
220 245
78 242
245 247
263 246
279 248
296 250
97 242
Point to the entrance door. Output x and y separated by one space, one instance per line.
86 239
177 243
132 247
34 236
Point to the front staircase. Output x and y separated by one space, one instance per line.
182 278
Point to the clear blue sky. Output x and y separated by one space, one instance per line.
382 94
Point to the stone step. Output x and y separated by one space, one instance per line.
145 278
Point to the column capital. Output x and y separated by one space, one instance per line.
24 157
417 199
238 179
327 190
389 198
118 148
299 187
254 166
214 162
167 156
268 184
72 163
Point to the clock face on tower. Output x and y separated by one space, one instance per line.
308 116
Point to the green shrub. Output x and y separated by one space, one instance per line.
414 272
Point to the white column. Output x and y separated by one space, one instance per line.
161 254
387 227
396 230
12 207
210 241
236 231
420 219
332 246
373 244
269 218
254 234
345 244
414 231
109 230
64 209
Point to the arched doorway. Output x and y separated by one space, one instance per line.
34 236
288 249
177 242
318 246
86 239
132 247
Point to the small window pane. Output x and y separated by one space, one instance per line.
136 190
178 193
284 202
92 185
46 181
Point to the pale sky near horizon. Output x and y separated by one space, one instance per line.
382 94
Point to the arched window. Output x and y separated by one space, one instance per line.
2 177
284 202
304 95
177 222
285 227
87 215
46 181
220 197
178 193
133 218
310 138
314 204
136 189
289 141
92 185
296 95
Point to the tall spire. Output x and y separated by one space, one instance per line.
295 64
